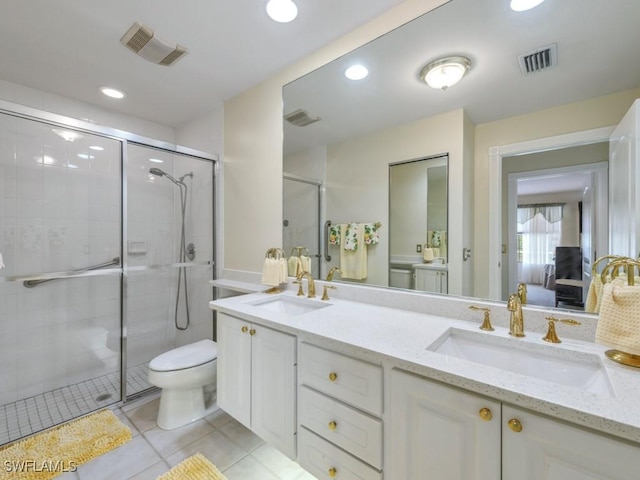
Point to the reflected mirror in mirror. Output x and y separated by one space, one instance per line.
363 126
418 224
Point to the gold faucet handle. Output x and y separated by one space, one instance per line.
300 290
325 294
552 336
486 322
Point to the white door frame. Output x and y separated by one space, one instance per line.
496 154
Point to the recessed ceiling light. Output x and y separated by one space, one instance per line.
112 92
282 11
97 148
356 72
522 5
445 72
156 160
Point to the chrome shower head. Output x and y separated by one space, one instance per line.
162 173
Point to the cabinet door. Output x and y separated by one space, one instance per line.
438 432
273 384
427 280
545 448
234 368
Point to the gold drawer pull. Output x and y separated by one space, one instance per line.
333 472
245 329
252 331
333 376
515 425
485 414
332 425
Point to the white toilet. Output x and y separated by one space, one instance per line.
187 376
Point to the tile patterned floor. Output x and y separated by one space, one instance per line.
236 451
30 415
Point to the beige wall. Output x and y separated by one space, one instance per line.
358 176
575 117
253 146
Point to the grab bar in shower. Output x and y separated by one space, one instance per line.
33 283
327 225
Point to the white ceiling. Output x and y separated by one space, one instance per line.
70 48
598 47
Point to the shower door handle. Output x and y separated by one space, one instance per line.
33 283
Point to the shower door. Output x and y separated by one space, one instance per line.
167 268
301 213
60 288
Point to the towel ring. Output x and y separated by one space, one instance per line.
629 265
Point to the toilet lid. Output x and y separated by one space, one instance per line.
188 356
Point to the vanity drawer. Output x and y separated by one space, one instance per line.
324 460
355 432
348 379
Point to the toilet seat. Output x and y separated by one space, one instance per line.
187 356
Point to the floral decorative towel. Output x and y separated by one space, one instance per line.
351 237
436 239
334 235
371 235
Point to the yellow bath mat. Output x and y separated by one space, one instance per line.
196 467
63 448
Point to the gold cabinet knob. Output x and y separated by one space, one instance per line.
485 414
333 472
252 331
245 329
515 425
333 376
333 425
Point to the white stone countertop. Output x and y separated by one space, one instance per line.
400 338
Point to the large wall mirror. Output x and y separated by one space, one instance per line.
346 135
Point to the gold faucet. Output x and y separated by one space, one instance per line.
522 293
551 335
325 293
516 323
312 285
486 322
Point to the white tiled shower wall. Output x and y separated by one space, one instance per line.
60 212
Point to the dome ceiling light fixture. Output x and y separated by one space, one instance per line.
282 11
445 72
522 5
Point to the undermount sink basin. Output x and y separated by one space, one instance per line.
289 305
582 370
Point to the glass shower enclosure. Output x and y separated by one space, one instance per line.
96 277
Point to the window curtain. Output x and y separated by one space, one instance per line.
540 227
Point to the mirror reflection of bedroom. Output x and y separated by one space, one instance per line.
557 220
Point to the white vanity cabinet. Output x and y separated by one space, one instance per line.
430 278
441 432
536 447
438 431
340 409
257 380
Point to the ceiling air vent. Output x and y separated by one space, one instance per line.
538 60
141 40
300 118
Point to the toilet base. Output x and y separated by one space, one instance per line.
181 407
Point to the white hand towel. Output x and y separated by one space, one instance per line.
1 262
271 272
619 322
305 263
283 268
293 265
353 263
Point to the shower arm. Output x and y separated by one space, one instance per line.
34 283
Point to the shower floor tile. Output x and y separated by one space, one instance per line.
30 415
